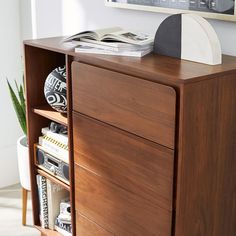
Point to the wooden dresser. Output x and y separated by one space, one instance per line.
152 141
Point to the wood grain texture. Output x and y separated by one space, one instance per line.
24 205
43 172
138 166
48 232
85 227
69 60
156 68
204 198
117 210
140 107
38 64
206 190
51 114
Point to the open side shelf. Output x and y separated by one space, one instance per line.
47 112
39 63
53 179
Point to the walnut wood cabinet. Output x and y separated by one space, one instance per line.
152 141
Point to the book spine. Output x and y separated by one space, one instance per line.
53 148
102 52
60 138
98 46
42 187
50 210
38 180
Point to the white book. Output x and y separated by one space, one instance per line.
114 34
55 194
62 138
38 180
116 47
112 43
92 50
55 149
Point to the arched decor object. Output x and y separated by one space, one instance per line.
189 37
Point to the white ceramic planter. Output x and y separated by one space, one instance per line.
23 162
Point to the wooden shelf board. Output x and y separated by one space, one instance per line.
54 179
47 232
48 112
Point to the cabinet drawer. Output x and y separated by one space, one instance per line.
141 107
85 227
117 210
135 164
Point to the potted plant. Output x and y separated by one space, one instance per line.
18 100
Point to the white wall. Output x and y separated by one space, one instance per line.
95 14
10 66
26 29
64 17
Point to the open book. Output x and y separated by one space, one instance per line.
112 35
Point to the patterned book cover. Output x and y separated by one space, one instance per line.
43 202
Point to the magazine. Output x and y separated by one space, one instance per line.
92 50
115 34
120 47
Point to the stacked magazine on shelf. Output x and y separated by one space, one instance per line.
112 41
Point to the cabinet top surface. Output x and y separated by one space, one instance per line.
151 67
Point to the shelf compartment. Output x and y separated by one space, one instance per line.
46 171
47 112
53 178
48 232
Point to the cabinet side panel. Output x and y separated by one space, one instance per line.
225 217
206 202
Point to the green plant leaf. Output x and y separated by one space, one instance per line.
19 109
22 98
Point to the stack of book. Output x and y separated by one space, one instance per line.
55 144
50 196
112 41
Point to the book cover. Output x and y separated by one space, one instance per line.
113 34
66 227
42 190
55 194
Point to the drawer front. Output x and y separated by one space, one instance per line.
141 107
85 227
135 164
117 210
